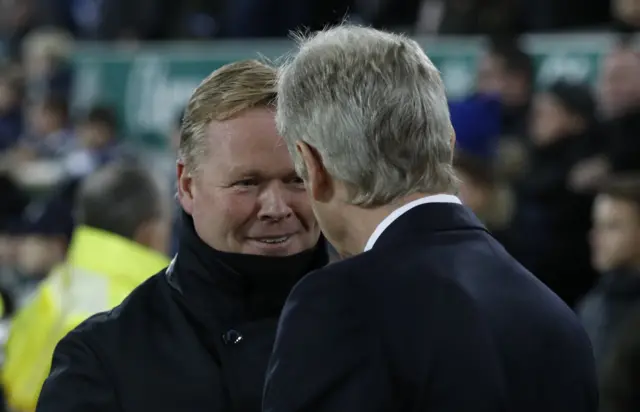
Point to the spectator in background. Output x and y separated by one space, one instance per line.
621 372
97 142
626 14
37 161
619 104
477 121
45 56
548 234
616 255
11 119
619 90
47 222
51 135
121 240
18 19
14 201
477 124
489 198
507 72
45 229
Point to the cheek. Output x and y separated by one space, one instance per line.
615 245
546 124
628 244
234 209
220 209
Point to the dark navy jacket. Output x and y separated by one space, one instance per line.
436 317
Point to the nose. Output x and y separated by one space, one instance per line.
274 203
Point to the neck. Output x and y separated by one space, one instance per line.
258 285
360 223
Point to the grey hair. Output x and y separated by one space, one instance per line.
120 198
374 108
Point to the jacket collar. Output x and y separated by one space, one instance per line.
236 287
111 255
426 219
439 198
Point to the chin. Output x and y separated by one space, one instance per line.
602 265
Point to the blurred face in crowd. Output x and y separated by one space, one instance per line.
616 233
94 135
551 121
43 121
246 196
490 75
627 11
619 86
494 78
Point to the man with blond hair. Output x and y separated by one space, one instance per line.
197 336
429 313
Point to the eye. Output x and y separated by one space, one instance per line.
295 181
246 183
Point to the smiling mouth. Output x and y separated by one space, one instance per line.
272 240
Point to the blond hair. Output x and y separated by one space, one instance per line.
223 95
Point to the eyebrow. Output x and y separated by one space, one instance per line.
254 173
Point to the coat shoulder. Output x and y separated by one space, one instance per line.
110 325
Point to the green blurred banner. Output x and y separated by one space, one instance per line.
150 84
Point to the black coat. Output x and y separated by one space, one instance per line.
623 144
551 223
436 317
607 308
196 337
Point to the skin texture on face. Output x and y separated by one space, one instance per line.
551 121
495 79
246 197
615 237
619 85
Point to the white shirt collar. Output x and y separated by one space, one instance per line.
441 198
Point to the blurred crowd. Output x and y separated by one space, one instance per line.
144 20
554 174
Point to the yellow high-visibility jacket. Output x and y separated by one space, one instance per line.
100 271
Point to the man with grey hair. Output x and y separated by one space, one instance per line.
429 313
